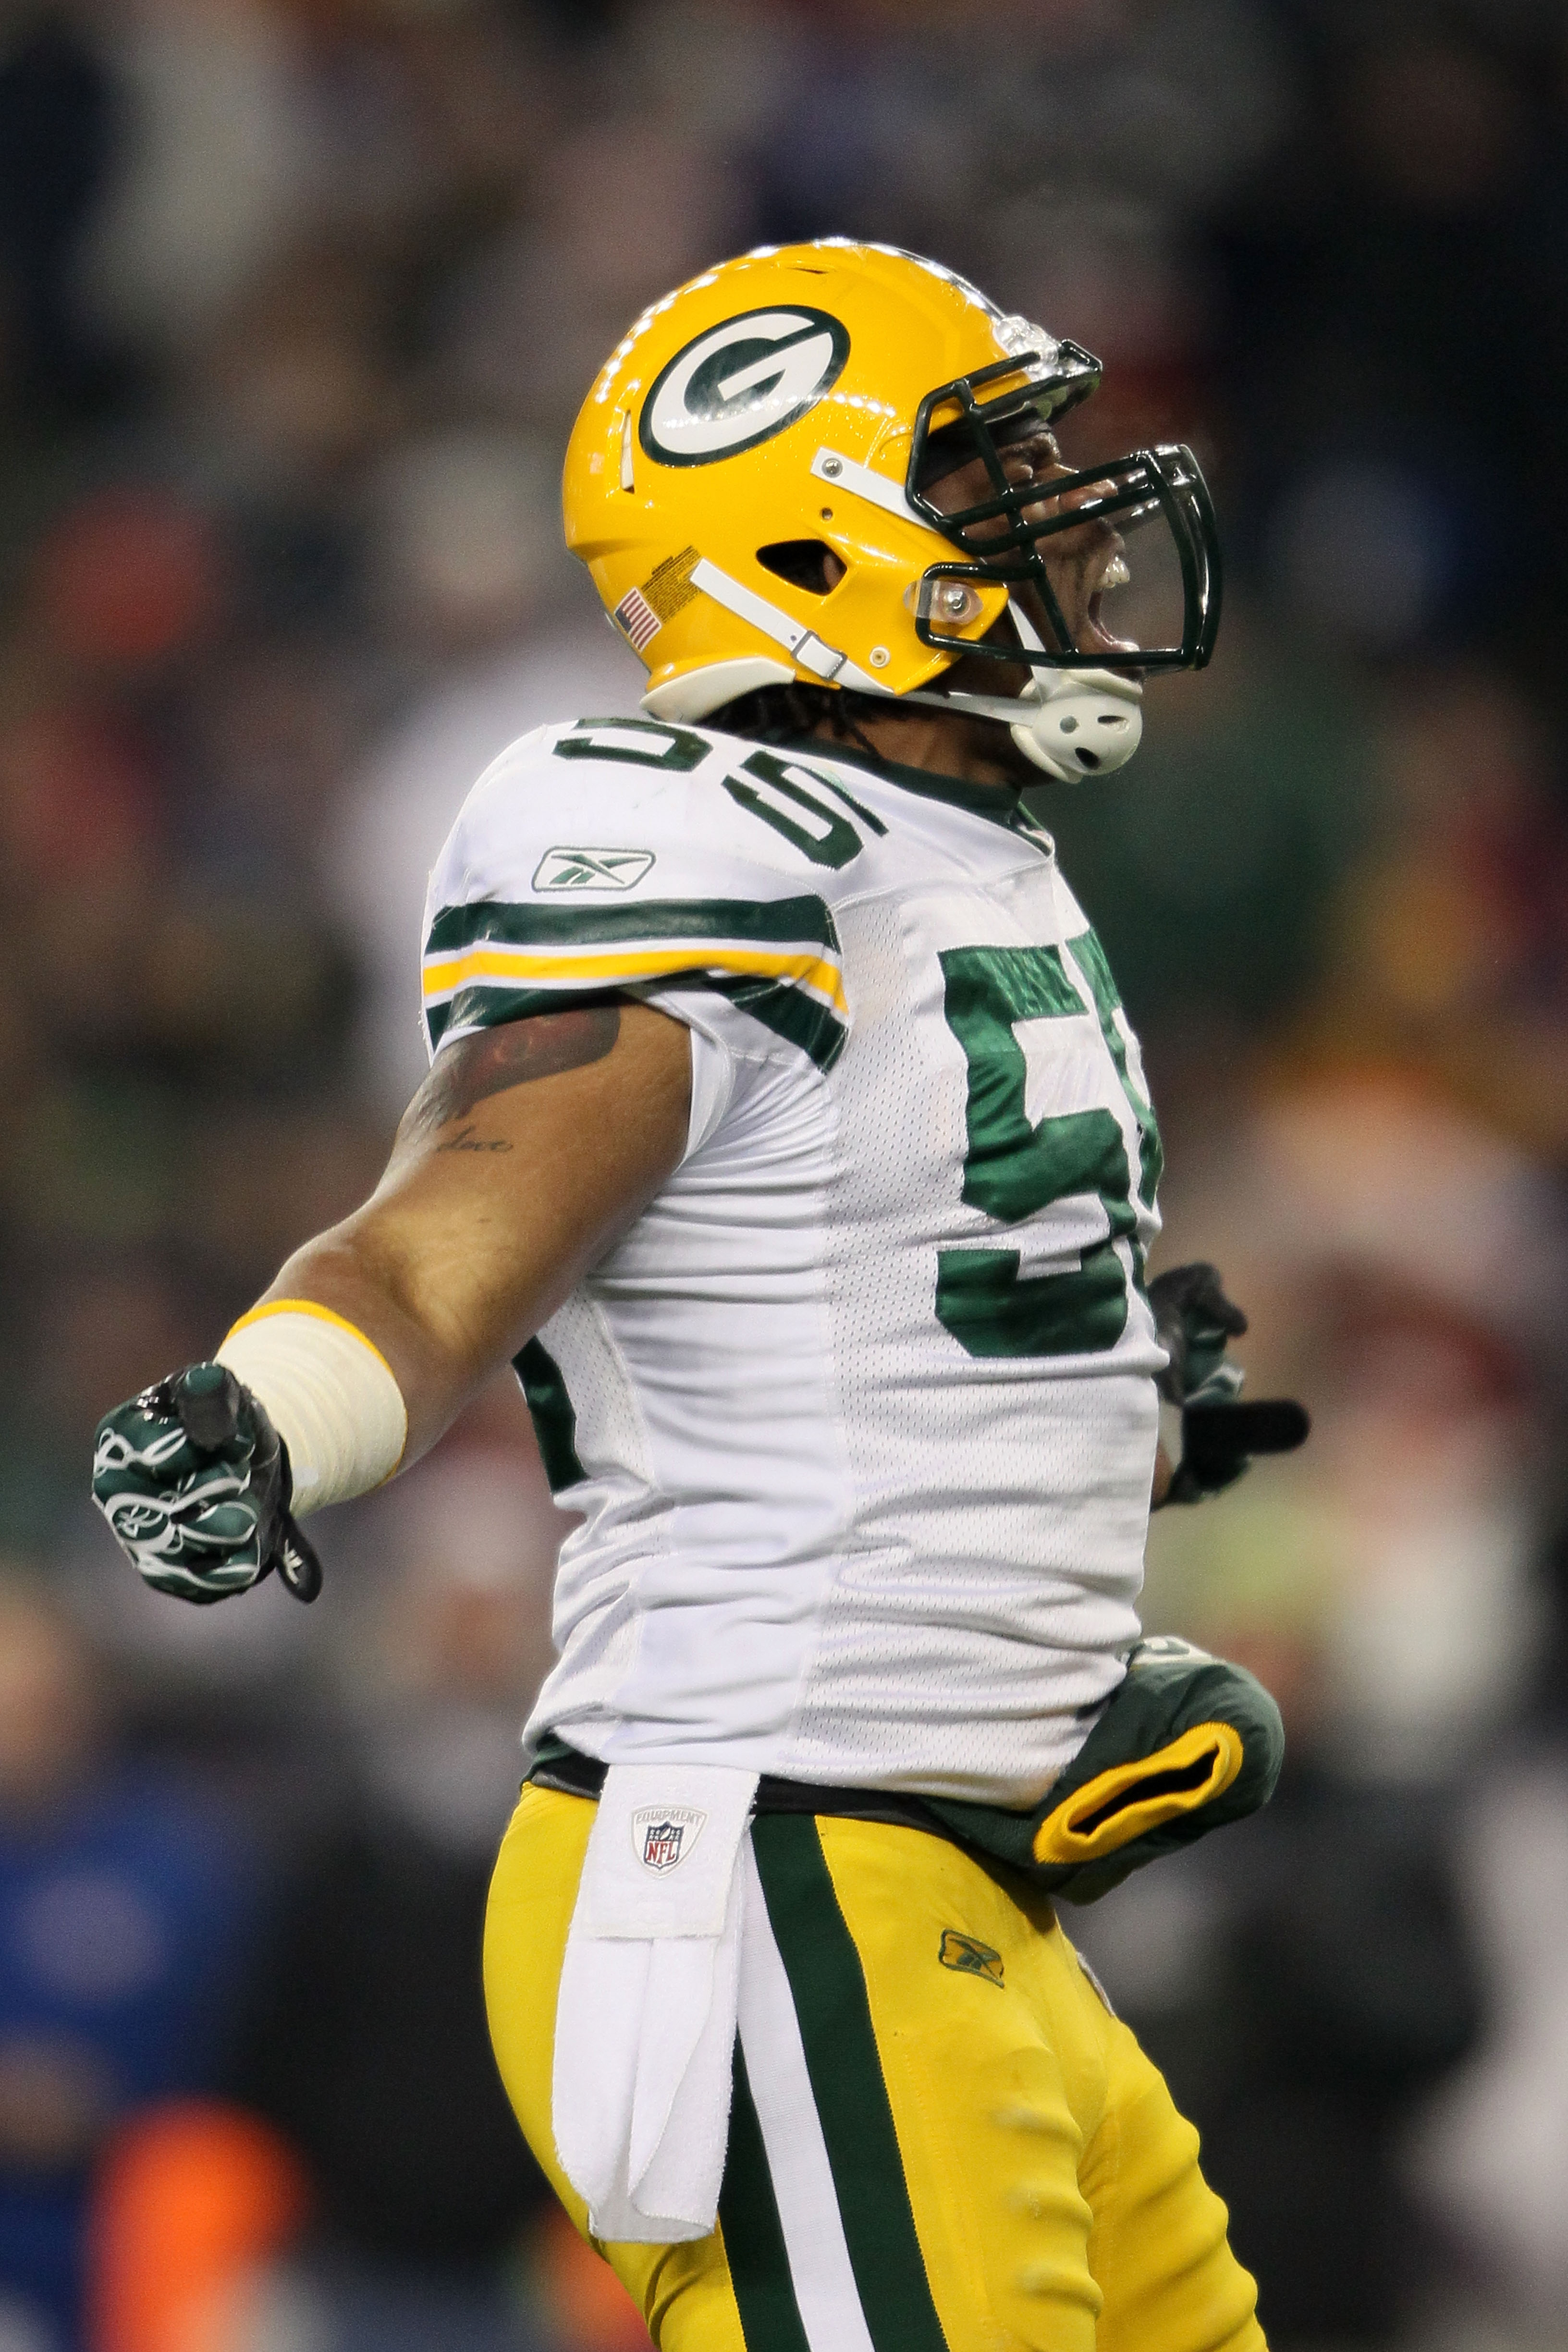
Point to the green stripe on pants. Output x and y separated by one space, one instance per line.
753 2235
828 1989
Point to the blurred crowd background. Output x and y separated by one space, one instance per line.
297 301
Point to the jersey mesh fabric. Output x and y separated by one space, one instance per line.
987 1497
827 1535
595 1617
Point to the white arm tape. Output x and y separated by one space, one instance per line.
331 1395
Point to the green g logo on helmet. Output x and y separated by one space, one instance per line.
740 383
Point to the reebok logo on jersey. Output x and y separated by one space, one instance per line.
969 1956
591 869
663 1836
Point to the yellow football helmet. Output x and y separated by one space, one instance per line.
792 401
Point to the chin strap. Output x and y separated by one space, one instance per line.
1072 723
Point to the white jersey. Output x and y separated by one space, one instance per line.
860 1416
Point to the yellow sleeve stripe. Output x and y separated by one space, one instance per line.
444 976
308 1306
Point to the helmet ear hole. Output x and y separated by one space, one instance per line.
808 563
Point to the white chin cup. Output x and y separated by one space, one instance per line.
1086 722
1072 723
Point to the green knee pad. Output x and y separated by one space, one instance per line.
1185 1745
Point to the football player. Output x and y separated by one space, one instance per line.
785 1131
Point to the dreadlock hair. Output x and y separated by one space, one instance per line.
783 714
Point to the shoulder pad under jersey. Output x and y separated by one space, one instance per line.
624 852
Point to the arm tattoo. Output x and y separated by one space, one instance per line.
499 1059
467 1140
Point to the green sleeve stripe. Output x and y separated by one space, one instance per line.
791 920
830 2002
790 1013
490 1004
778 1004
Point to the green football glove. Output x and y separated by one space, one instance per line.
1196 1322
195 1483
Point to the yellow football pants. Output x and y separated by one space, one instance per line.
940 2140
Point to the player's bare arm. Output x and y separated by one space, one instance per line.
523 1156
527 1152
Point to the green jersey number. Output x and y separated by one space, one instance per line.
796 811
1014 1168
820 832
640 742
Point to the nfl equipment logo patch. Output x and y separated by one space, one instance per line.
664 1835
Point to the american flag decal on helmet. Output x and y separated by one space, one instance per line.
636 616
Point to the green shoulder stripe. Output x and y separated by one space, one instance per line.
773 920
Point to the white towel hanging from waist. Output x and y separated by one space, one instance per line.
644 2018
